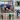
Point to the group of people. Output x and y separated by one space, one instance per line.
7 6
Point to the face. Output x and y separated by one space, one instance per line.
4 5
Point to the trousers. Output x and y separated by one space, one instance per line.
17 13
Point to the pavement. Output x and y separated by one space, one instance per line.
15 17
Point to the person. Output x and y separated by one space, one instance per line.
2 8
8 6
2 5
18 3
10 16
11 8
17 13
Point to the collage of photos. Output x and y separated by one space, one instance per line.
6 8
17 10
9 9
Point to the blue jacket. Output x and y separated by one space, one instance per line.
8 6
2 5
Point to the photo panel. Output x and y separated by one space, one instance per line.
17 10
7 7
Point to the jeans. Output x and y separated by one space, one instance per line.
17 14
